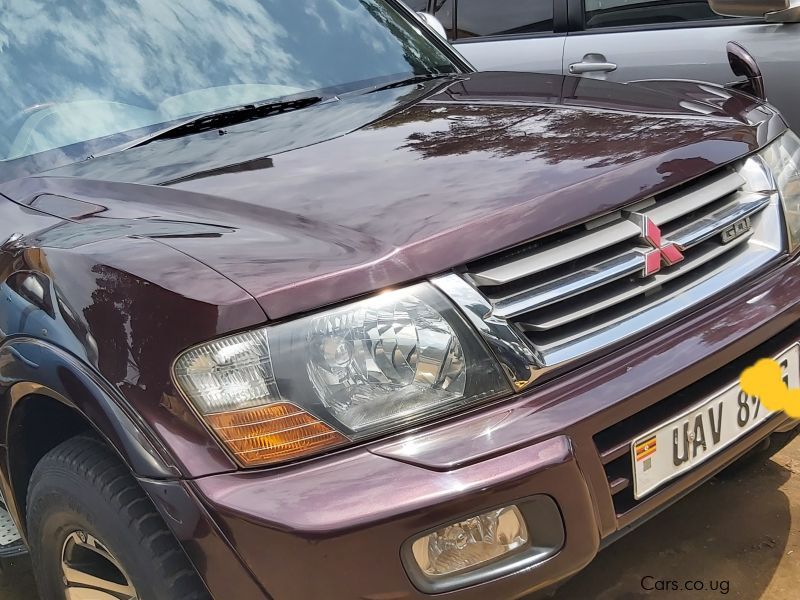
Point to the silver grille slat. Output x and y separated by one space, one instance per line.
558 255
569 285
559 298
744 205
673 207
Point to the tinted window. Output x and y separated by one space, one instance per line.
504 17
619 13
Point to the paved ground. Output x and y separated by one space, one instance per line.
740 533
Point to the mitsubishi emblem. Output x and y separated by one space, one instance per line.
659 252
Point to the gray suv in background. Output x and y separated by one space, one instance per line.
625 40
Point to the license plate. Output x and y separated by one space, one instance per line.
681 444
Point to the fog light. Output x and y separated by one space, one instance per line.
471 543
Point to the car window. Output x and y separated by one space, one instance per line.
478 18
620 13
418 5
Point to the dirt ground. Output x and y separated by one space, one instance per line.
739 533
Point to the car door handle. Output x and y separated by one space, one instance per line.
592 67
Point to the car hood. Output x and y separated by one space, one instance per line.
362 193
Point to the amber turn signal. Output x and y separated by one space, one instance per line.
273 433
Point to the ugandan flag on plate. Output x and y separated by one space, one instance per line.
645 448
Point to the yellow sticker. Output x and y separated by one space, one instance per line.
765 381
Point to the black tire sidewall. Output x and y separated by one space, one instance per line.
62 503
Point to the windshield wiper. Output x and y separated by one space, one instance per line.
412 80
226 118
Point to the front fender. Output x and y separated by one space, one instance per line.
35 371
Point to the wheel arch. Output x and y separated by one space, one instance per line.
48 396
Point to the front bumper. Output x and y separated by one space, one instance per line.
334 527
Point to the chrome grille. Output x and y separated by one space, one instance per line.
572 293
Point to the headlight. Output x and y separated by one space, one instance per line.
342 375
783 158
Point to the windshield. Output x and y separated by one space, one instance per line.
74 71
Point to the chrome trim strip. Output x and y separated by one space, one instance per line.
584 244
570 285
746 205
521 363
688 200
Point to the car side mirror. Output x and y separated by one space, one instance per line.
773 11
744 65
433 23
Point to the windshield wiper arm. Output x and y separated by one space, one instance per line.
226 118
412 80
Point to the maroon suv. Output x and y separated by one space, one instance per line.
295 305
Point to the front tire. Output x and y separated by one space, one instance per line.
95 534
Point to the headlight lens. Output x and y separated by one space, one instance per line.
783 158
345 374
